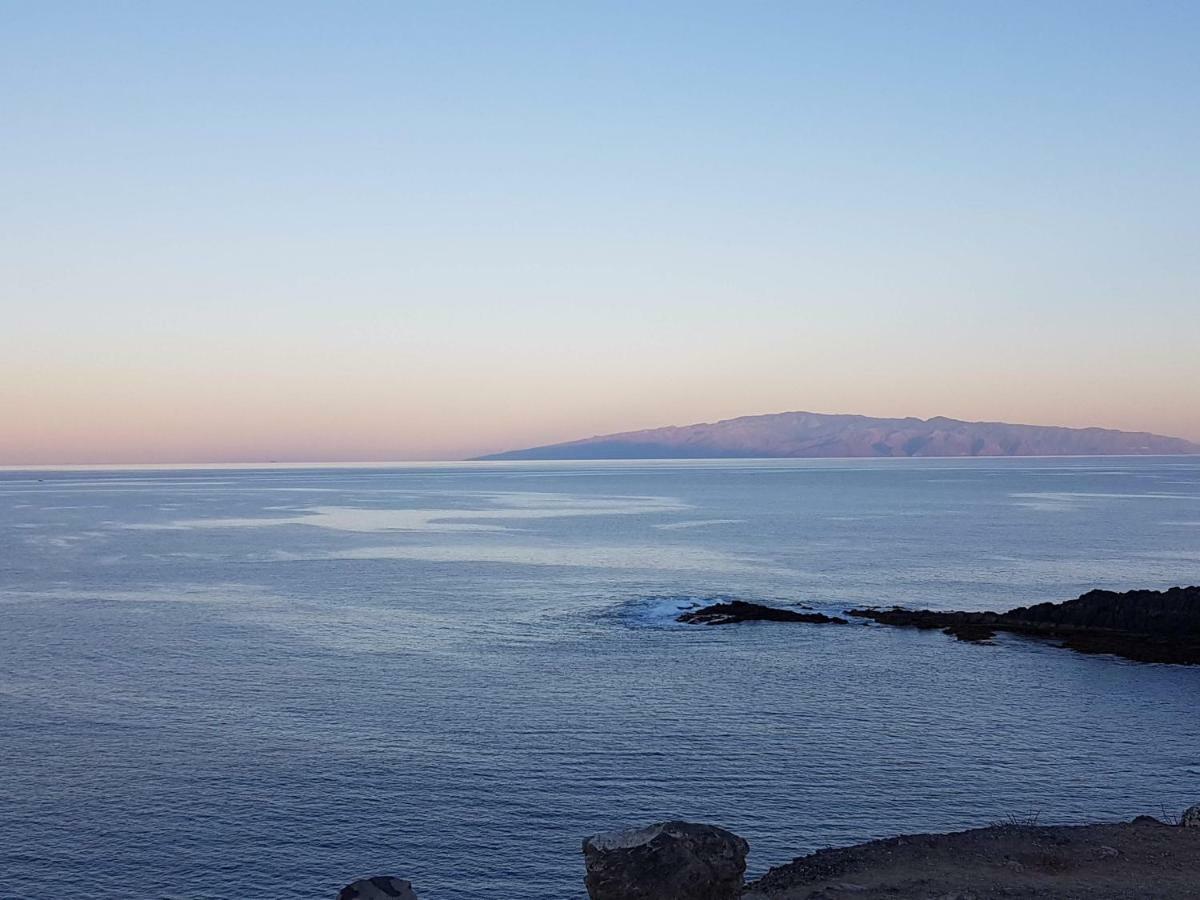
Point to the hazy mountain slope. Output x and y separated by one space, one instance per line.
803 434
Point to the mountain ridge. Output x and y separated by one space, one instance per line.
808 435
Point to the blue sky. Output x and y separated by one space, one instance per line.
407 230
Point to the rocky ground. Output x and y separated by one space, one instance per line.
1142 859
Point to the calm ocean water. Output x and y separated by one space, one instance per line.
233 683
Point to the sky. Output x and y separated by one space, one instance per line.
405 230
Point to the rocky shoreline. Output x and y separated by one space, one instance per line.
1146 626
1140 859
676 860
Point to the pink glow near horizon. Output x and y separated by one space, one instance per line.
308 416
402 232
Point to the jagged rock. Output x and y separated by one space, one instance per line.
380 887
1191 817
667 861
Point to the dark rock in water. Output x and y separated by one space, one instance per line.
667 861
381 887
733 611
1148 626
973 634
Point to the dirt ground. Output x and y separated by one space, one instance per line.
1131 861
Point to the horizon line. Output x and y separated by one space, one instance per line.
480 462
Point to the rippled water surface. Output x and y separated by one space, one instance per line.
231 683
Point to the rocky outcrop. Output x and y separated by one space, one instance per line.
1149 626
380 887
1191 817
733 611
668 861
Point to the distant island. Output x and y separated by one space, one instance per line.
816 435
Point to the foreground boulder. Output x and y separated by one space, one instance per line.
667 861
380 887
1191 817
731 611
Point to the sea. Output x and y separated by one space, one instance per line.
266 682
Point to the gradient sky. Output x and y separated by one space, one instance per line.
351 231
